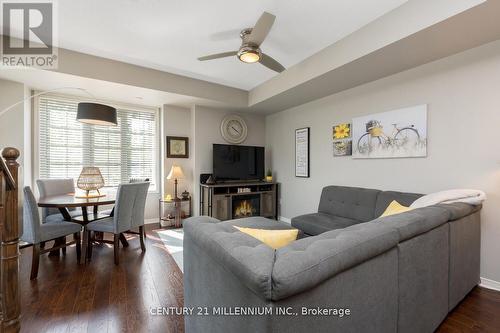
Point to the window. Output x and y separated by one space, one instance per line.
121 153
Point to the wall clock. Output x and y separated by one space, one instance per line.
234 129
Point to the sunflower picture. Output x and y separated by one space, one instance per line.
342 143
341 131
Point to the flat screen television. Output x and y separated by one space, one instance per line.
232 163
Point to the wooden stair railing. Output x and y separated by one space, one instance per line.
10 306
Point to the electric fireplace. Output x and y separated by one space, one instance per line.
246 206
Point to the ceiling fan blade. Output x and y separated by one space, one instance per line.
226 35
261 28
218 55
271 63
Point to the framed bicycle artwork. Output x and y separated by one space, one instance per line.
394 134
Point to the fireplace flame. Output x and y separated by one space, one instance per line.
244 208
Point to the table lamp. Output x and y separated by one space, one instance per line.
175 174
90 180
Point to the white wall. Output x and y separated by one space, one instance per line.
16 131
177 122
12 122
11 128
206 131
463 95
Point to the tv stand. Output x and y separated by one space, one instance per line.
226 201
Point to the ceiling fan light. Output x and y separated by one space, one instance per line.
249 54
250 57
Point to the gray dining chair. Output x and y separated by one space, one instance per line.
138 180
35 232
52 187
128 213
138 214
131 180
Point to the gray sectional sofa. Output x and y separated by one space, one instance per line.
341 207
401 273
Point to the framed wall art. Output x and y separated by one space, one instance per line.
342 142
177 147
302 152
393 134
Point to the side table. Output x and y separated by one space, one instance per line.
171 212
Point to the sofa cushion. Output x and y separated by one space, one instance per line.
258 222
395 208
305 263
273 238
246 257
386 197
465 257
318 223
350 202
415 222
423 268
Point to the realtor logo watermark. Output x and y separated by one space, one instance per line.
29 34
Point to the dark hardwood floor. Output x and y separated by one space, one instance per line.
102 297
478 312
99 296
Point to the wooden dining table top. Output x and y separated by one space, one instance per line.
70 200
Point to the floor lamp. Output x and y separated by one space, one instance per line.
88 112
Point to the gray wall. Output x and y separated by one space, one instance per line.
206 131
202 126
462 92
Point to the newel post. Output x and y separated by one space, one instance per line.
9 251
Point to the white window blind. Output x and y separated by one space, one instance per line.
121 153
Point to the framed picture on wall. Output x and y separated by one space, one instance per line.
302 152
393 134
342 142
177 147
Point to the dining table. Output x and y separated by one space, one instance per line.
68 201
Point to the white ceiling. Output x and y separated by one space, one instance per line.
103 90
169 35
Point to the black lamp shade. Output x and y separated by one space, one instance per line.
96 114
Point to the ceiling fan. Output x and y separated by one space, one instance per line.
252 38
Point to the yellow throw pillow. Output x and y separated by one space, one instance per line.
272 238
395 208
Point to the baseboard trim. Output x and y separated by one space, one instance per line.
151 221
285 219
490 284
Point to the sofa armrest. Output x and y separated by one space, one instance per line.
457 210
305 263
247 258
